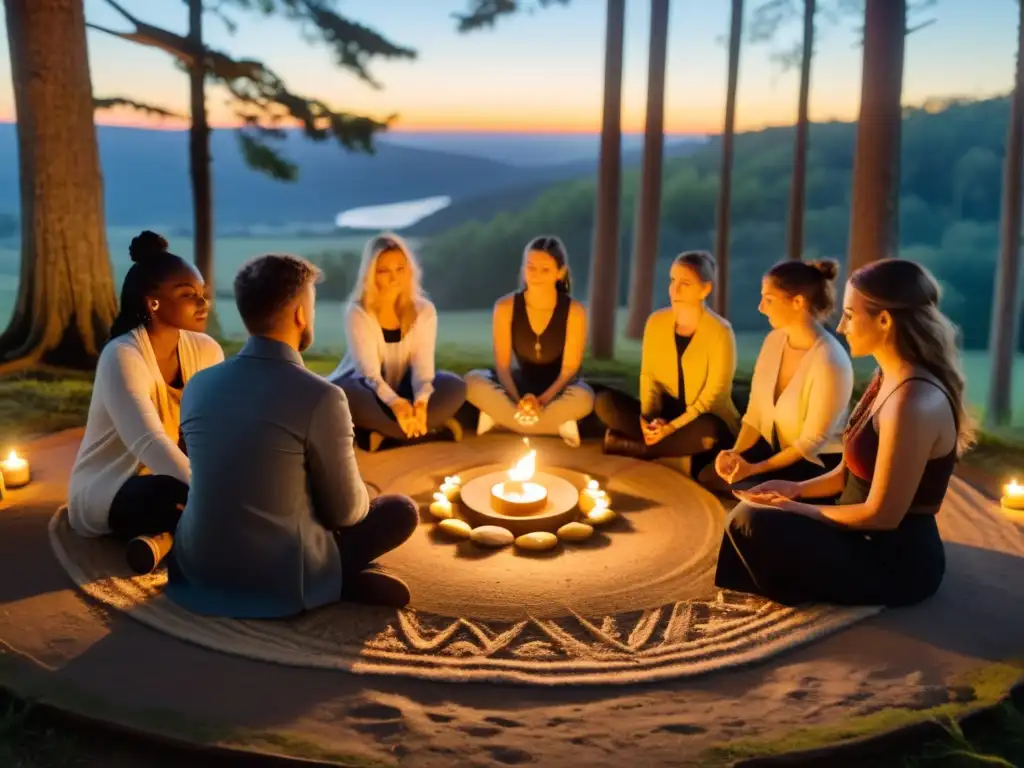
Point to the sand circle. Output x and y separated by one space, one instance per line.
660 548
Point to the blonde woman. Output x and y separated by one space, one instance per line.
540 333
388 373
880 544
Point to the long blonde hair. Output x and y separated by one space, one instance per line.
924 336
364 292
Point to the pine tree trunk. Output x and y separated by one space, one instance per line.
648 209
1005 308
725 175
798 188
65 301
874 205
604 260
199 156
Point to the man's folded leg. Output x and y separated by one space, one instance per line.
391 521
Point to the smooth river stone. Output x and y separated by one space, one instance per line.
575 532
537 541
456 528
492 536
442 510
600 516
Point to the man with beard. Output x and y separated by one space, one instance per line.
278 519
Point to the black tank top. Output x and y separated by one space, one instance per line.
538 357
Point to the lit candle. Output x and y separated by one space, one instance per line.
1013 496
15 470
592 496
450 487
600 514
441 507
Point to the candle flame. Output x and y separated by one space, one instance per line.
524 468
1013 488
438 496
592 485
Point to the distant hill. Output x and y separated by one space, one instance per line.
146 178
486 206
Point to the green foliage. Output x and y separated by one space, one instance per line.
485 13
260 98
340 271
949 211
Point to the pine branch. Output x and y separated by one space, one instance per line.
354 44
147 34
261 157
485 13
119 101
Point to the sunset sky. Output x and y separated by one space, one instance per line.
543 71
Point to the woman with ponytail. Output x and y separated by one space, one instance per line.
802 384
131 476
879 544
540 333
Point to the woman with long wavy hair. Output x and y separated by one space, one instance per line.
879 545
388 371
131 476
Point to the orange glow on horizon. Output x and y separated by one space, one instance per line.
704 122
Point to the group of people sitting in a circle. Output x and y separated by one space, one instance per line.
242 474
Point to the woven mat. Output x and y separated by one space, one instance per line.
636 604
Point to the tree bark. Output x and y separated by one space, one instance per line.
874 205
65 301
648 209
725 176
199 154
798 187
1005 308
604 260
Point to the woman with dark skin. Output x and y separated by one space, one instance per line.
131 476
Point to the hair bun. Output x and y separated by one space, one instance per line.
828 268
146 244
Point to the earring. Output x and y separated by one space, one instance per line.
154 306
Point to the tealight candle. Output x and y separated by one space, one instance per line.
441 507
15 470
450 487
592 496
1013 496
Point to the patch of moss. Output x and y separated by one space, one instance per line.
986 685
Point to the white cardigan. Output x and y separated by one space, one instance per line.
811 411
384 365
124 430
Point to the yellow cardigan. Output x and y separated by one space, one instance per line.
709 365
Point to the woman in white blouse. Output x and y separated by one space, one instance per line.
131 477
388 372
802 383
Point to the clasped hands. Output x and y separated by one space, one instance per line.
528 410
732 467
412 419
655 430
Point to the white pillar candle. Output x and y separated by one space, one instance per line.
1013 496
15 470
592 496
450 487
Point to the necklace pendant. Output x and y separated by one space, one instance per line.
537 348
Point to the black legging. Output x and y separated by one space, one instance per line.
621 413
147 505
370 412
794 559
